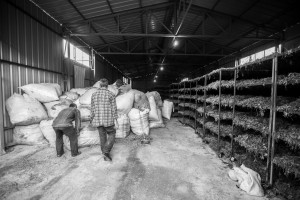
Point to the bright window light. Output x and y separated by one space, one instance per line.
77 54
269 51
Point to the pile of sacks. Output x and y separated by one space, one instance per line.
33 112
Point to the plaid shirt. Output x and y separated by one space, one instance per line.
103 108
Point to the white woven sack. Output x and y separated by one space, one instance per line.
88 136
125 102
159 123
153 115
85 112
55 86
157 98
124 89
42 92
28 135
24 110
73 96
124 126
48 132
86 98
139 121
53 108
167 109
79 91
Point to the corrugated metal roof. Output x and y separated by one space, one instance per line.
229 20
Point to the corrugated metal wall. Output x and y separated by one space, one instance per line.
29 51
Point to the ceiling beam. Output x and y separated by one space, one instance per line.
167 35
160 54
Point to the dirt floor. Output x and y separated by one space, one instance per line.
177 165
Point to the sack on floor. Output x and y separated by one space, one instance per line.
88 136
48 132
153 115
73 96
41 92
124 126
159 123
157 98
79 91
85 112
124 89
53 108
24 110
140 100
86 98
111 88
248 180
55 86
139 121
167 109
125 102
28 135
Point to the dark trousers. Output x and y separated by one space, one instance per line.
107 138
71 133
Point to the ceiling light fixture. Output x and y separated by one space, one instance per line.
175 43
156 76
154 81
161 68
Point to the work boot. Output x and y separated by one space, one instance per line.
107 157
78 153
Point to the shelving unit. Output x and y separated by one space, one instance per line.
250 110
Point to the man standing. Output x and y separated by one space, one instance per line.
62 124
104 117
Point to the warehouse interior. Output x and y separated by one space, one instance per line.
230 70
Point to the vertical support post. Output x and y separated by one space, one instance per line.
68 66
190 98
219 111
196 102
275 68
270 124
204 105
2 139
183 102
233 108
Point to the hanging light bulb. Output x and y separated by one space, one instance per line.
175 43
154 81
156 76
161 68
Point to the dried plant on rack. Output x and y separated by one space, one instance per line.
291 79
224 115
290 109
290 164
224 84
254 144
290 133
262 104
226 100
225 130
250 122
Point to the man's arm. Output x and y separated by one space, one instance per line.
77 120
93 107
114 110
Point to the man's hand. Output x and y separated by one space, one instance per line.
77 132
116 125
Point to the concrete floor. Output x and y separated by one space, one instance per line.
176 166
